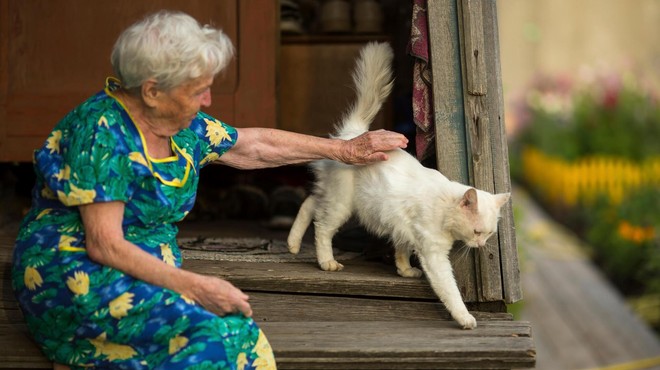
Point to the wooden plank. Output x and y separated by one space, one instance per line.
18 351
270 307
358 278
448 111
399 345
477 122
474 47
510 270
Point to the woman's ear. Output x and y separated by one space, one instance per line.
150 93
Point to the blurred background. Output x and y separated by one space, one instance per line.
581 90
581 84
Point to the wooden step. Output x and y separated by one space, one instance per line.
365 317
400 345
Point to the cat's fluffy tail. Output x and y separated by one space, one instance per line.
373 82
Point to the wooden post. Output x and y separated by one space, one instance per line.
470 139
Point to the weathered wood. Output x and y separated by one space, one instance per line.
399 345
357 278
510 269
365 317
465 32
474 47
269 307
17 351
477 124
448 114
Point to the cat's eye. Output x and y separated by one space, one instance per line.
477 233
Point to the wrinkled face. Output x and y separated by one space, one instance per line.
179 106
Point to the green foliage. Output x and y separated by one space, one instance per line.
609 116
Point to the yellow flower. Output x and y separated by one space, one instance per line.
166 251
53 142
177 343
216 132
113 351
187 300
137 157
79 283
209 158
241 361
119 306
64 173
47 193
66 241
266 360
43 213
32 278
77 196
103 121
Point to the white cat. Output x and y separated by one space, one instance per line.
417 207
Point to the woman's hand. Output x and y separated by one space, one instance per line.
220 296
371 147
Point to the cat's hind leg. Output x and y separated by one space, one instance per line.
301 223
402 261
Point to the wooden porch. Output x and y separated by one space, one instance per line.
365 317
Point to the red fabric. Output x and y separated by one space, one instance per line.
422 96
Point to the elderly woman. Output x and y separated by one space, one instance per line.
96 264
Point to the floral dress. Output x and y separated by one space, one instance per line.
88 315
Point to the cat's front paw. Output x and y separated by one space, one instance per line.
294 248
331 265
467 321
411 272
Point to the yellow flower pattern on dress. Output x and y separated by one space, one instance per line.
53 142
216 132
266 360
32 278
168 257
103 121
113 351
79 283
76 196
177 343
187 300
119 306
66 241
209 158
241 361
138 158
64 173
47 193
43 213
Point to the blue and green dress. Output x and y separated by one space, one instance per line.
85 314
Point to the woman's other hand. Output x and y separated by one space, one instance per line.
220 296
371 146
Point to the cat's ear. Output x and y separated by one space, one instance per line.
469 200
501 199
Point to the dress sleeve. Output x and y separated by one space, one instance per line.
215 137
84 160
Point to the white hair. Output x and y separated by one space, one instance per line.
170 47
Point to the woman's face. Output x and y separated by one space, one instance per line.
178 106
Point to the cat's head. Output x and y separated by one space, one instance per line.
475 217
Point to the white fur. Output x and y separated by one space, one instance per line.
418 208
